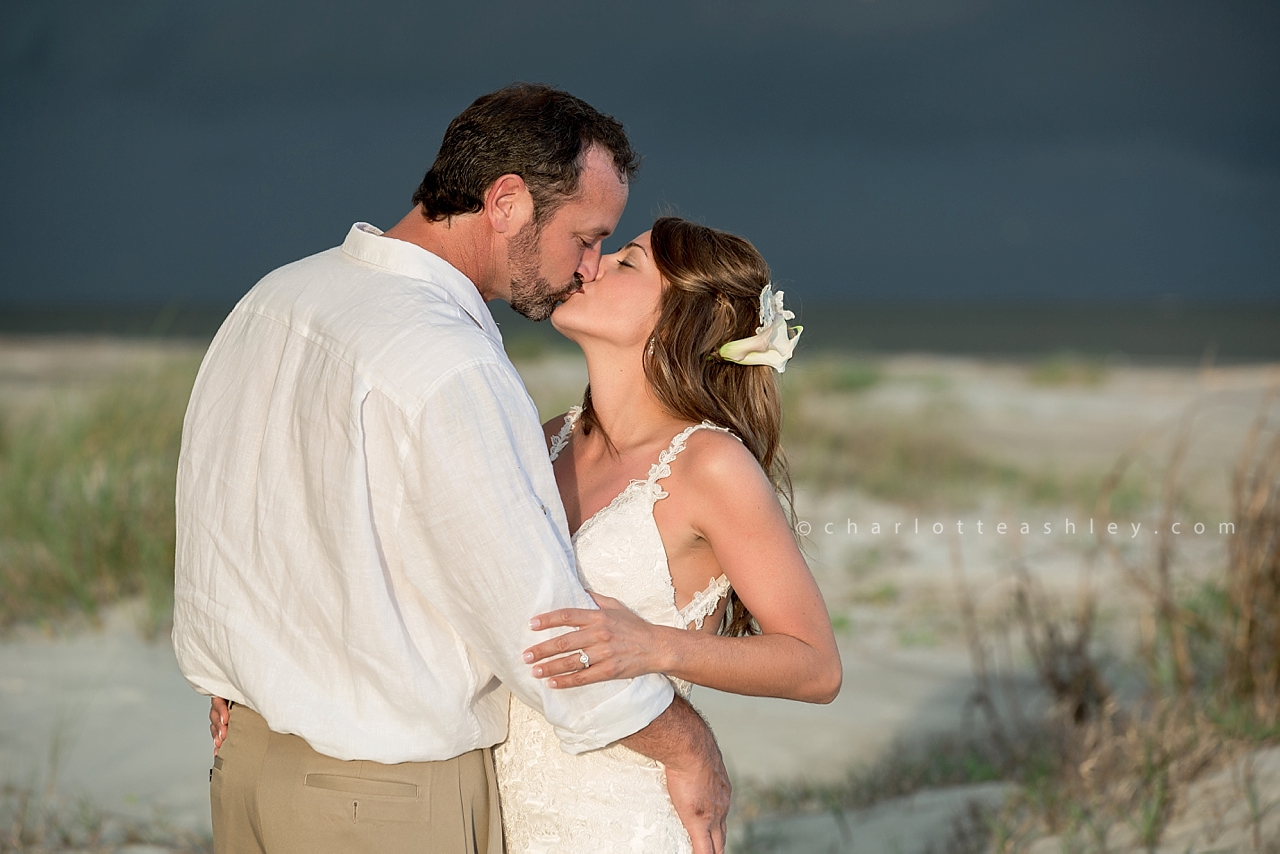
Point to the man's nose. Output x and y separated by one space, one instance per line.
589 266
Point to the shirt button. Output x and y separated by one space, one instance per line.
544 509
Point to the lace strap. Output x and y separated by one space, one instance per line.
559 440
705 602
662 467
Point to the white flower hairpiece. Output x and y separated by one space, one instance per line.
773 342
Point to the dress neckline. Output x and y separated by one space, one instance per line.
657 471
616 500
705 601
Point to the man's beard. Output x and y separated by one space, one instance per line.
531 293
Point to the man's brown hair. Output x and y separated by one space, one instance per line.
528 129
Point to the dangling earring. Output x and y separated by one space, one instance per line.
649 351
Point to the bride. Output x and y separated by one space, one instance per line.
671 476
670 473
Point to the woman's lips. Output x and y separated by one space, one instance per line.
568 293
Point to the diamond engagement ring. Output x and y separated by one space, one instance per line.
582 656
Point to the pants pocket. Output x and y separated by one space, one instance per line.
371 800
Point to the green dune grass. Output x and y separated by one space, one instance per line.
86 499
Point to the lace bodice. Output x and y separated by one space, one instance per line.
620 551
609 800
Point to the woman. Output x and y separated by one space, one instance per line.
671 474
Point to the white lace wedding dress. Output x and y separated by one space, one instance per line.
613 799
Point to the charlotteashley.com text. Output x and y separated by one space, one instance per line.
979 527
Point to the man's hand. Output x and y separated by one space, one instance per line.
701 799
219 718
696 777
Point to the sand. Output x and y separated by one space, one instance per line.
110 717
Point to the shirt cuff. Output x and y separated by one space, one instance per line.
625 713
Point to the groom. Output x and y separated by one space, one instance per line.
367 517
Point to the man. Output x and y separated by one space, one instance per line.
367 518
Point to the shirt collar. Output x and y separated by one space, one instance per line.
365 243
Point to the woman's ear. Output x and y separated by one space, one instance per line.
508 205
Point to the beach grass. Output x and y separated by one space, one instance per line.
1064 369
1099 769
86 519
835 441
41 820
87 499
1208 659
909 765
87 484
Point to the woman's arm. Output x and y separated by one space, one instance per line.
729 503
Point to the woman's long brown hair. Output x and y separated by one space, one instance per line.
713 281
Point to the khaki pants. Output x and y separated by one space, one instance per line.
273 794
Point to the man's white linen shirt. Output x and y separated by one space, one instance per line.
367 518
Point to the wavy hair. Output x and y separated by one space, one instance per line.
711 296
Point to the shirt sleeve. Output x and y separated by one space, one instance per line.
481 506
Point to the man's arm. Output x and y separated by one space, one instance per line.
481 536
696 777
496 522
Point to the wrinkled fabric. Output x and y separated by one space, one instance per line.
367 520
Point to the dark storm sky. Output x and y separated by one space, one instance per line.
165 151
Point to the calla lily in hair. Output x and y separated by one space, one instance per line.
773 342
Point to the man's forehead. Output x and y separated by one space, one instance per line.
601 220
601 197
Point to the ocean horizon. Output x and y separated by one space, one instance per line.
1164 329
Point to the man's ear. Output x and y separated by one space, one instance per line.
508 204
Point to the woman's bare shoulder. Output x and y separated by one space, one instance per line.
722 490
714 461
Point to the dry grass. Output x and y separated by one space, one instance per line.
1210 661
1252 645
1093 771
